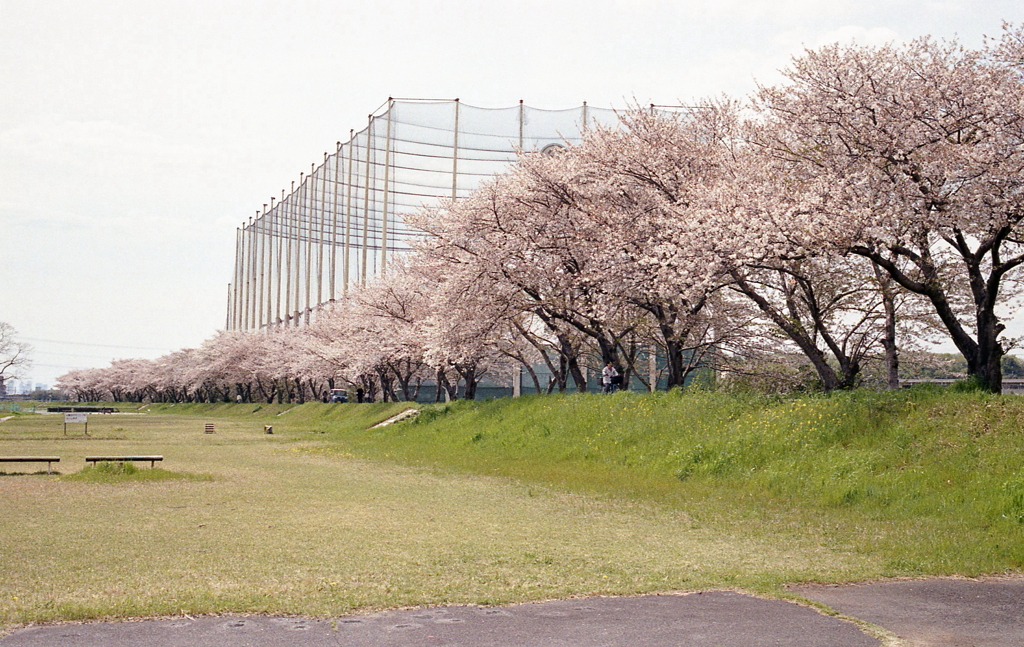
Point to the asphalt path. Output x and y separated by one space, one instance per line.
921 613
935 612
714 619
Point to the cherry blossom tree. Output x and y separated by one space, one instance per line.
816 222
390 314
648 185
571 234
169 376
526 230
129 380
930 137
84 385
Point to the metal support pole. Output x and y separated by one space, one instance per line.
322 237
366 200
272 274
384 210
247 274
308 200
253 287
240 285
297 266
455 154
262 269
288 255
348 211
243 281
236 310
522 123
278 222
334 223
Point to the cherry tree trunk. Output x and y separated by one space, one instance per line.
988 361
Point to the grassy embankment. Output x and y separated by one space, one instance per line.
508 500
926 481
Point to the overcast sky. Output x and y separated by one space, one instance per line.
136 136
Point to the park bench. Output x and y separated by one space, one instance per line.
31 459
105 459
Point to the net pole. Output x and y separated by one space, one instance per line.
299 215
262 247
455 154
583 128
297 265
271 266
288 255
247 250
253 270
261 310
240 287
334 222
254 255
366 202
227 319
348 212
309 200
387 176
522 123
235 310
278 222
293 306
246 273
242 279
384 210
320 236
244 285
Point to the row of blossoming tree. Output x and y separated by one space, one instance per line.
871 201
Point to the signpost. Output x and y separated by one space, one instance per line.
76 418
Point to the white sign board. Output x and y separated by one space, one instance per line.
75 417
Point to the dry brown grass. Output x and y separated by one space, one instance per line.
285 528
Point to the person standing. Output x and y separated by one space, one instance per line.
608 375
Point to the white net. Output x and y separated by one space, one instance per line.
342 222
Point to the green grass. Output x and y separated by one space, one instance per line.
931 481
508 500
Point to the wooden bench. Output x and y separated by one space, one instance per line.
31 459
105 459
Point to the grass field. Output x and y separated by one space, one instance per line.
505 500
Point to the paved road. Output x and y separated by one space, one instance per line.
718 619
935 612
923 613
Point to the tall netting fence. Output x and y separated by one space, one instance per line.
339 226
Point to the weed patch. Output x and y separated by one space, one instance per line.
1013 491
122 472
